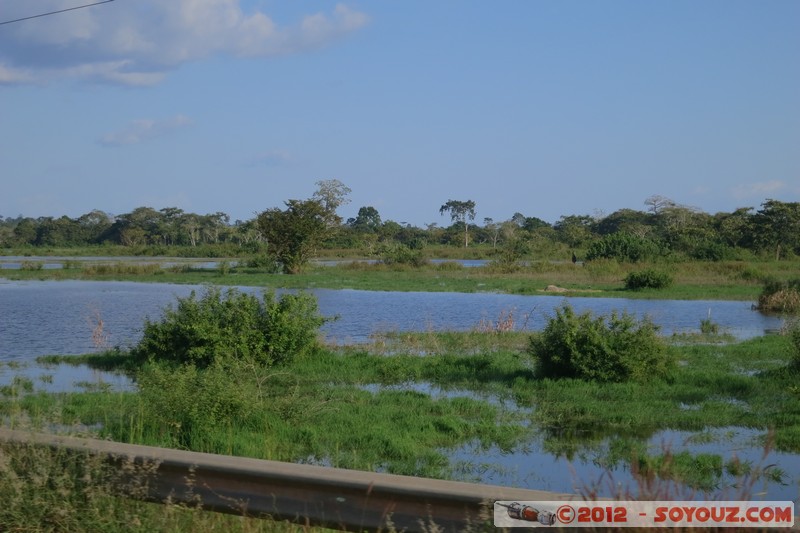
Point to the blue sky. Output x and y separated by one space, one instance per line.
547 108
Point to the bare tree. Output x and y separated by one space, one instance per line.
657 202
332 194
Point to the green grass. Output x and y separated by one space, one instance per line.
704 472
747 384
110 360
733 280
45 490
367 407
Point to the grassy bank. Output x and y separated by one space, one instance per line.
692 280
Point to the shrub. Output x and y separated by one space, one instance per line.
449 266
400 254
647 279
780 296
615 348
263 261
623 247
219 328
508 256
709 327
31 265
186 400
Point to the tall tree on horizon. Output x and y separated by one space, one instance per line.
460 212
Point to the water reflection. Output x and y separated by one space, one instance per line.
532 465
437 391
64 378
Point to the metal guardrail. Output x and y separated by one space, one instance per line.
332 497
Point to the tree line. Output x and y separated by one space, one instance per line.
299 228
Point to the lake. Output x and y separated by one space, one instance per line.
59 317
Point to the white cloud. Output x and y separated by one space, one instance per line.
144 130
9 75
138 43
757 190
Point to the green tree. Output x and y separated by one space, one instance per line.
367 220
25 231
94 225
685 229
214 226
778 226
735 229
190 224
140 226
492 230
532 224
170 228
389 229
574 230
62 231
292 234
627 220
460 212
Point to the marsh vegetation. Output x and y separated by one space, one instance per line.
405 401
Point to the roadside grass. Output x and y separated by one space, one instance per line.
45 490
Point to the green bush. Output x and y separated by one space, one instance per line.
615 348
449 266
400 254
647 279
707 250
31 265
219 328
185 400
709 327
508 256
263 261
623 247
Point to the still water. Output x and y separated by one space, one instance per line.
60 317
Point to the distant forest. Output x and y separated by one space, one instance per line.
661 228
